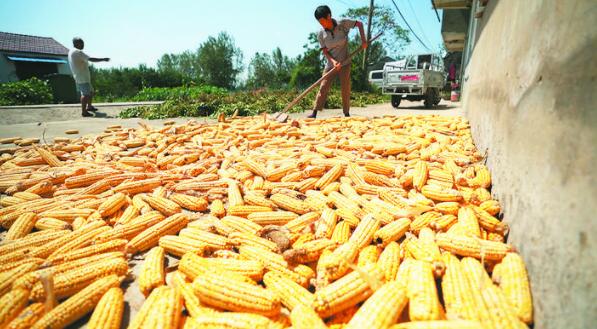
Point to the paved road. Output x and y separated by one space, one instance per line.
48 122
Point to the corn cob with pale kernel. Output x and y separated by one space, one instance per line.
108 312
152 273
381 309
150 236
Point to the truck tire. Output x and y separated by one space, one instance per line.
396 101
430 98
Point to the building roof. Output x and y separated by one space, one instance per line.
31 44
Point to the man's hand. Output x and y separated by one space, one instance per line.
336 64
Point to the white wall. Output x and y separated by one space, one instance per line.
7 69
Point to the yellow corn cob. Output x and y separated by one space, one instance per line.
179 245
337 263
491 206
308 251
69 283
41 188
129 213
142 317
294 177
21 227
380 167
422 293
420 175
235 198
255 167
378 180
112 204
341 232
502 315
234 320
69 239
364 232
189 202
108 312
245 210
160 191
191 301
488 222
110 246
7 278
514 282
243 238
246 270
334 186
439 324
27 317
443 223
298 224
368 255
290 293
472 247
482 177
476 274
304 271
152 273
468 221
330 176
150 236
347 291
382 309
447 208
239 224
256 199
163 205
456 290
131 229
12 265
217 208
11 201
325 225
48 223
439 193
78 305
304 317
67 214
349 216
354 172
209 240
235 296
139 186
11 304
389 261
289 203
272 217
423 220
391 232
26 196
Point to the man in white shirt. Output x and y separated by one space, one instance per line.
79 65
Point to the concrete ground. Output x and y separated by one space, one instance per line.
49 121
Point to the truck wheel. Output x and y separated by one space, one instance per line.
396 101
429 100
438 97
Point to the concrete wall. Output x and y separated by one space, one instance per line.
530 95
8 71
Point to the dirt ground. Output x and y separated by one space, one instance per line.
47 122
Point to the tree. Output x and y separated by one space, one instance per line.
309 65
272 71
219 61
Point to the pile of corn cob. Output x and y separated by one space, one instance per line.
339 223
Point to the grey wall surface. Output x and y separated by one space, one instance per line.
530 95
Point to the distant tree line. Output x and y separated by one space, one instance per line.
219 62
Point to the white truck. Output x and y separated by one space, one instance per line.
415 78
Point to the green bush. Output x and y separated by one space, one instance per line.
161 94
194 103
25 92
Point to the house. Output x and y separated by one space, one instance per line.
25 56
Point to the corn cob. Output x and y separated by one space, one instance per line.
48 223
257 199
440 193
27 317
235 198
347 291
439 324
131 229
235 296
472 247
469 222
67 214
303 317
152 273
380 167
447 208
178 245
337 263
12 265
391 232
354 172
456 290
422 293
11 304
420 175
308 251
234 320
502 315
69 283
209 240
341 232
150 236
21 227
381 309
65 239
189 202
423 220
192 266
148 306
77 305
108 312
488 222
491 206
110 246
165 206
112 204
330 176
255 167
514 282
239 224
245 210
364 232
368 255
243 238
272 218
289 203
325 225
217 208
298 224
7 278
138 186
290 293
191 301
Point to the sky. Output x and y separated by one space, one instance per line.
133 32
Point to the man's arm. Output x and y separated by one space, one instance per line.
362 33
327 54
95 60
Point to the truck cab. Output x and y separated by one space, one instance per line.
415 78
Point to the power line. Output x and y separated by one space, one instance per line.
410 28
417 21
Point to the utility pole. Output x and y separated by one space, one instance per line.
366 55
